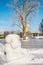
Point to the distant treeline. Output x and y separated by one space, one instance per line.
19 33
3 35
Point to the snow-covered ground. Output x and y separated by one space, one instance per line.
33 55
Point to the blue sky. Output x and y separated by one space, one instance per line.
6 16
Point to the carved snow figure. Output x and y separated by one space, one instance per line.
13 47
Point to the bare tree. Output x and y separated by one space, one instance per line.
23 8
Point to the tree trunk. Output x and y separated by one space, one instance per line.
23 22
23 30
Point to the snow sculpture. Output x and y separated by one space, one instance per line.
13 39
12 47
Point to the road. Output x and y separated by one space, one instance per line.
31 43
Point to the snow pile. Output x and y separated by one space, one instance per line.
2 56
31 59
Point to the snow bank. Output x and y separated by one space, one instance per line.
2 56
28 58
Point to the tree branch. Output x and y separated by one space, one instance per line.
31 7
18 26
11 6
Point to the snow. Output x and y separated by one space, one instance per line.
13 40
15 55
30 58
2 56
12 47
